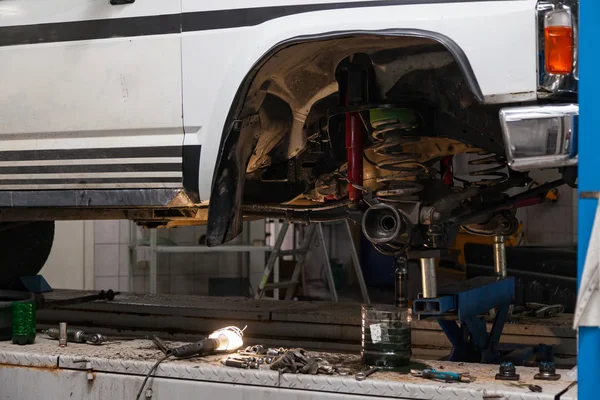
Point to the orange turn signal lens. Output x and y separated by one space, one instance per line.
558 34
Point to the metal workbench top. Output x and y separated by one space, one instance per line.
136 357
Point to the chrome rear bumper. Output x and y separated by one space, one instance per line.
540 136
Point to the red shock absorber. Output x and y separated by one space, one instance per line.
446 170
355 131
356 80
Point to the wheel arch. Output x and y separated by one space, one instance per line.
225 211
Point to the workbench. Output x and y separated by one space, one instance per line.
116 370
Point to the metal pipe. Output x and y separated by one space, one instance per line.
428 277
354 146
401 282
499 257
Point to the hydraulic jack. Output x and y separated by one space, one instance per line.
458 307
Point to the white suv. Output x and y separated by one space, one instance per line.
171 112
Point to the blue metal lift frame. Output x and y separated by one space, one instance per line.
589 180
464 302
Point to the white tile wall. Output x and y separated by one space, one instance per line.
178 273
111 255
106 259
551 223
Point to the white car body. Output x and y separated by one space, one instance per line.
149 77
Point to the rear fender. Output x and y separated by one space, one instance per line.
239 139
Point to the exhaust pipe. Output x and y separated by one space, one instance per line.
382 224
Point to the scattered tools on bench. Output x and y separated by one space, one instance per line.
297 361
77 336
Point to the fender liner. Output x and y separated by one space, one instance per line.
225 206
225 220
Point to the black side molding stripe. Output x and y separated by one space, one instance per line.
66 169
88 198
175 23
83 181
91 154
90 29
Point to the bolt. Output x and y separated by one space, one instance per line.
507 372
547 366
547 372
148 393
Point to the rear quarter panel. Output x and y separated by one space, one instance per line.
498 38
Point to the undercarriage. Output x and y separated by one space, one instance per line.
378 149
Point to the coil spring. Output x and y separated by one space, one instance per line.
495 174
390 135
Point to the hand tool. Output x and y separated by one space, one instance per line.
362 375
445 376
75 336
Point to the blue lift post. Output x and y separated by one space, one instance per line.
588 359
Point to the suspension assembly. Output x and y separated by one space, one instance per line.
399 141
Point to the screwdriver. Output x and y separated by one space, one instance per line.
78 336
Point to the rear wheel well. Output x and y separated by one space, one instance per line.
284 87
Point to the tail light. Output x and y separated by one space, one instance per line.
557 27
558 38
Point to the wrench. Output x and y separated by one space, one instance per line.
362 375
